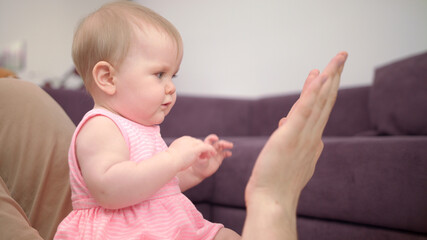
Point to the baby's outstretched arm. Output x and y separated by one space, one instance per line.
116 182
205 167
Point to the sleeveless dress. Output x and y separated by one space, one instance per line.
167 214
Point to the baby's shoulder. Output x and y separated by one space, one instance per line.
98 130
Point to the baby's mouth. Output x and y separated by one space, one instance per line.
166 104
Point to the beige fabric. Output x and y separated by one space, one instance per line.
13 221
35 134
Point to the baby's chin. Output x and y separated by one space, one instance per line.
151 122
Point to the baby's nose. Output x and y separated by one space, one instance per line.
170 88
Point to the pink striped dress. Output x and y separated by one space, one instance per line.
168 214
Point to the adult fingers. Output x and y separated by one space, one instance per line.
282 121
309 116
325 99
303 110
310 78
328 95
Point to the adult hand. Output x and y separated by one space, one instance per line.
288 159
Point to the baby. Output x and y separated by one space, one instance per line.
126 183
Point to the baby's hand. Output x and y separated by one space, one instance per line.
186 150
208 166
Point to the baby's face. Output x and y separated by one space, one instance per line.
145 91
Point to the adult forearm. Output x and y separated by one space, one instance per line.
267 219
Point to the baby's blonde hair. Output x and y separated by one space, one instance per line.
106 35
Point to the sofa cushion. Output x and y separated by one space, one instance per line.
372 181
377 182
399 97
322 229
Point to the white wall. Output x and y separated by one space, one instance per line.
254 48
241 48
47 27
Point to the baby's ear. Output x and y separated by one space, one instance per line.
103 76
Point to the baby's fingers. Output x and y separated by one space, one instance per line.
219 145
226 154
211 139
224 148
205 151
223 144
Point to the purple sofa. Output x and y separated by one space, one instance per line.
370 181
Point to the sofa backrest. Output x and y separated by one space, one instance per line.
74 102
398 100
201 116
349 117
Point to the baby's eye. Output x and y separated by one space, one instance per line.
160 75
